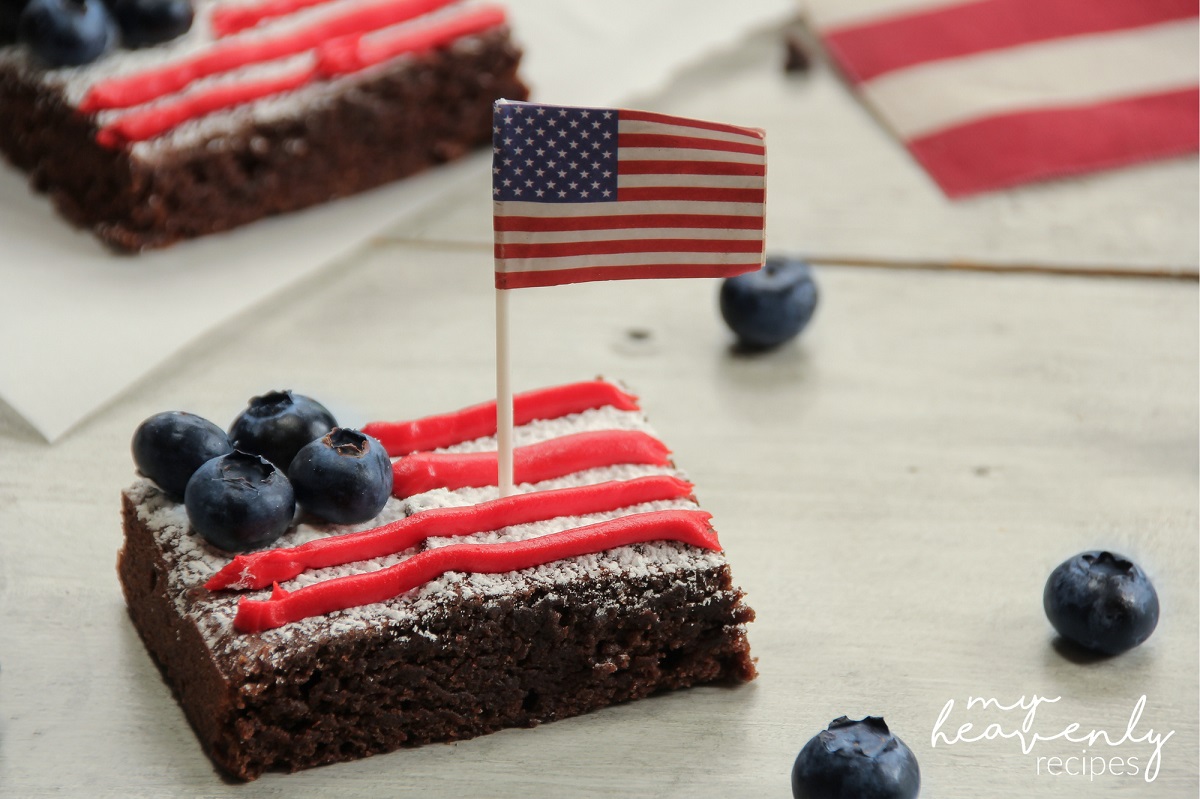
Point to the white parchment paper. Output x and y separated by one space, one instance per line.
79 324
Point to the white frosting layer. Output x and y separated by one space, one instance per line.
192 561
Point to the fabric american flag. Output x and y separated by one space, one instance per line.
994 93
586 194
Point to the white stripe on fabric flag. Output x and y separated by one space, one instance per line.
631 207
1076 70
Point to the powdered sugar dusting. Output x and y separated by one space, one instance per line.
192 561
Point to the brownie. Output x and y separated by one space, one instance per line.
332 138
464 655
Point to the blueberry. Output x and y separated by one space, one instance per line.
169 447
10 13
344 477
856 760
1102 602
148 22
239 502
67 33
770 306
276 425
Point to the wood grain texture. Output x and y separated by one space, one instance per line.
893 490
840 187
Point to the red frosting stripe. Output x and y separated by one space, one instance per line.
357 53
260 569
336 54
142 125
443 430
686 526
425 471
152 84
227 20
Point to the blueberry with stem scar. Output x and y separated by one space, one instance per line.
344 477
856 760
239 502
1101 601
277 424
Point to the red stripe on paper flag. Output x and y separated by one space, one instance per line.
604 194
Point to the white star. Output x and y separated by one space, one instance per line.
583 134
550 184
529 141
541 111
540 152
507 140
562 133
596 124
508 162
517 170
573 144
518 150
495 129
606 174
584 114
562 112
562 194
540 172
608 134
496 190
595 185
518 108
516 191
529 183
597 166
507 182
574 123
595 145
573 165
583 193
608 114
572 185
607 192
528 162
540 192
562 174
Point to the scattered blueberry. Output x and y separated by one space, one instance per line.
149 22
10 13
239 502
169 447
770 306
67 33
344 477
856 760
1101 601
276 425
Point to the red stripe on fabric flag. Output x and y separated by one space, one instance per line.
543 224
664 119
872 49
659 140
558 277
566 249
1056 142
638 167
691 194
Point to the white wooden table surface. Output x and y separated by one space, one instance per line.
893 490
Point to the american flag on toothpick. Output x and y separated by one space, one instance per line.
585 194
606 194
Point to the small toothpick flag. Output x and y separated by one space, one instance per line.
605 194
584 194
